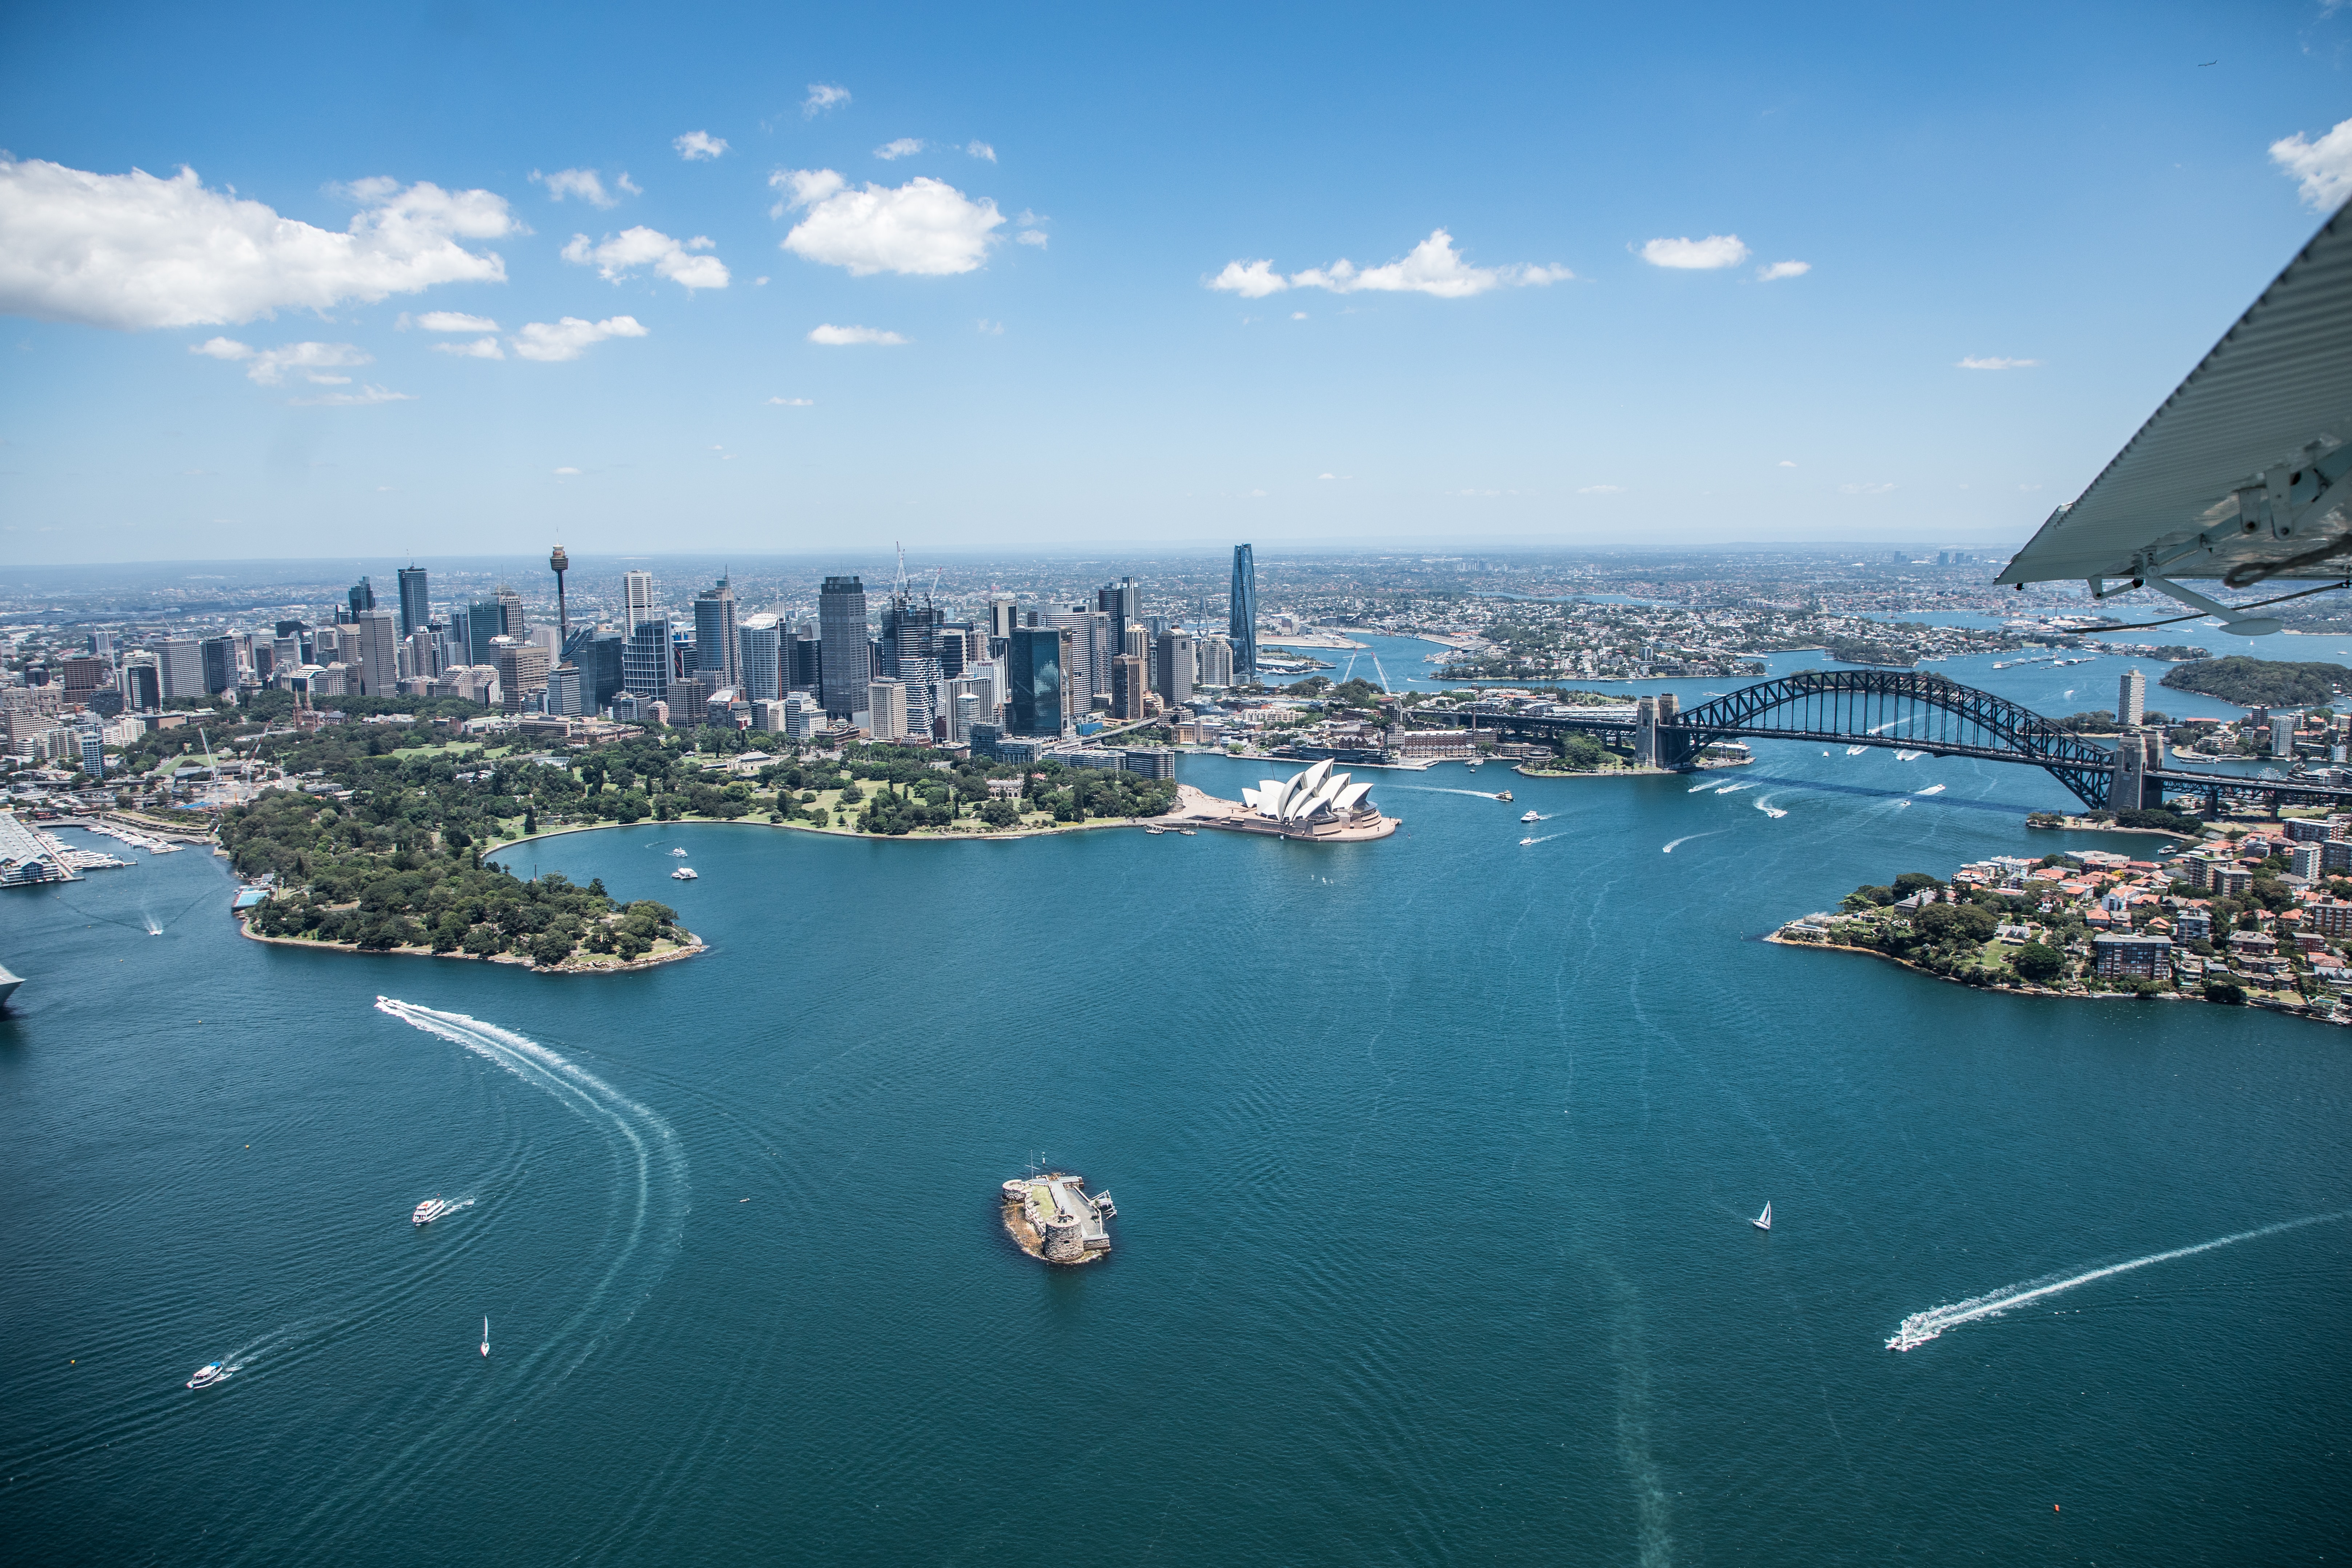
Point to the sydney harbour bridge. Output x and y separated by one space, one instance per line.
1912 712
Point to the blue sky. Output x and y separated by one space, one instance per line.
191 378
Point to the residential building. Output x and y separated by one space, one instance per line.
2283 734
182 668
522 672
2333 918
1213 660
1173 658
2304 860
2131 700
886 710
847 665
2123 955
718 658
1241 614
2197 925
1034 699
415 613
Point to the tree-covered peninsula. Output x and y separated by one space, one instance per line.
2261 682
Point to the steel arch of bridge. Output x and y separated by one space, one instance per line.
1907 708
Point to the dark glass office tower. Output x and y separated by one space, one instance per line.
1033 672
1123 601
414 616
1241 618
362 597
718 656
841 628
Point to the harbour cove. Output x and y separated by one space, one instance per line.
1286 1058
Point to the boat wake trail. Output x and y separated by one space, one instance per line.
652 1166
1920 1327
1908 756
1763 802
1441 789
1687 837
1735 789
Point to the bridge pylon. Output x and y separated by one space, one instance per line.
1659 739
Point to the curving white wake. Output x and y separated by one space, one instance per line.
1920 1327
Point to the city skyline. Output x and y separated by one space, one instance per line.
824 285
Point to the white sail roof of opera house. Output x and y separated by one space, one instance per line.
1307 795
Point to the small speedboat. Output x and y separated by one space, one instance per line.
208 1374
685 874
485 1336
1526 841
1190 832
1530 817
1763 1221
679 853
428 1211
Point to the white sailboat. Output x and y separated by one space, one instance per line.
486 1323
1761 1222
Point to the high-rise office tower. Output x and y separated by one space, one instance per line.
485 619
637 599
378 654
2131 704
1126 686
1034 699
718 658
885 710
142 687
522 673
807 654
645 659
1241 614
362 597
219 656
1174 650
841 617
1003 615
1079 674
1123 601
181 668
415 614
512 612
761 639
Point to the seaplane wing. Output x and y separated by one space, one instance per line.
2245 472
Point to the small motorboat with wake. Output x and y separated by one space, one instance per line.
1530 817
1525 842
208 1374
679 853
428 1211
485 1336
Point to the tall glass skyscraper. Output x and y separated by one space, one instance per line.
645 659
415 615
1034 673
846 664
1241 616
762 637
718 658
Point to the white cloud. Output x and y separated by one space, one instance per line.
1433 267
567 472
1601 490
571 337
1994 361
623 253
268 366
698 146
1779 269
448 322
1326 475
925 227
1867 489
842 336
791 403
2322 168
979 150
1297 315
1250 280
130 250
989 328
480 348
364 397
903 147
1786 464
1035 237
1717 251
582 183
822 96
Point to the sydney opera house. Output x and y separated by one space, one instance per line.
1315 803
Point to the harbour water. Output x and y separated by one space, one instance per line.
1435 1160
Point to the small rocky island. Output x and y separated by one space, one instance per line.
1051 1217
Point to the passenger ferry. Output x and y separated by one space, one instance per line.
428 1211
685 874
208 1374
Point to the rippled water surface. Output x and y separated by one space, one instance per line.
1435 1160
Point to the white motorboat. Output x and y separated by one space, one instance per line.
679 853
1525 841
208 1374
428 1211
485 1336
1530 817
1763 1221
685 874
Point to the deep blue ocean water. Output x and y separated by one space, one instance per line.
1435 1159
